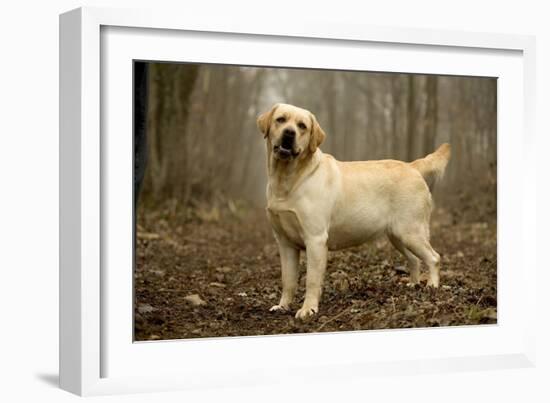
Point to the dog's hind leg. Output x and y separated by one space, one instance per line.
416 241
414 262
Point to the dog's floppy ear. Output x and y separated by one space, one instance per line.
264 120
317 134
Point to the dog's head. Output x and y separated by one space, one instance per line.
291 132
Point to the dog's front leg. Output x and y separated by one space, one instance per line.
316 253
290 258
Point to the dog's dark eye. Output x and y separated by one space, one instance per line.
281 119
302 126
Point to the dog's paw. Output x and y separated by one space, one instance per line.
278 308
432 283
306 312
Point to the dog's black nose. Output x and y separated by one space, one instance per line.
287 141
290 133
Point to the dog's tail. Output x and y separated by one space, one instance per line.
432 166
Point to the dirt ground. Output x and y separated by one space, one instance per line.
215 272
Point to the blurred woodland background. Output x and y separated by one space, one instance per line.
206 261
204 143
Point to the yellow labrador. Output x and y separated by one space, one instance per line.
316 203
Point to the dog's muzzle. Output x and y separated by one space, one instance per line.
285 149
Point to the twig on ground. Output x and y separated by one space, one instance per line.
147 235
338 315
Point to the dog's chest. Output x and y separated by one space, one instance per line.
285 222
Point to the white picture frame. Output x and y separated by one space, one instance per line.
96 354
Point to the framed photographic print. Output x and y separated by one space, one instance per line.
329 199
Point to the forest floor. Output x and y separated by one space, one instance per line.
216 272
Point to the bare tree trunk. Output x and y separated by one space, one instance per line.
411 117
431 114
170 89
